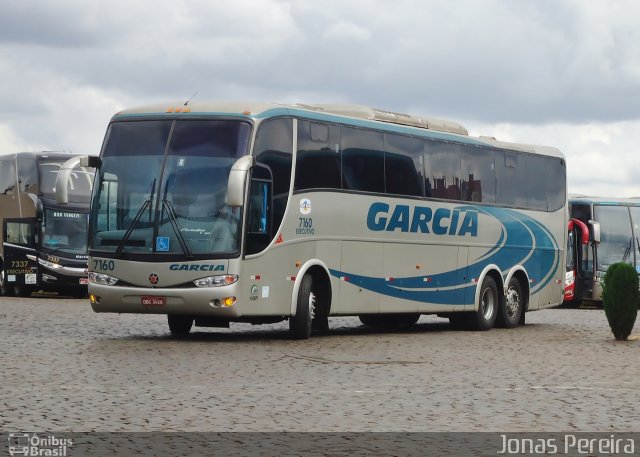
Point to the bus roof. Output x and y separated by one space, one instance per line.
358 115
591 200
42 154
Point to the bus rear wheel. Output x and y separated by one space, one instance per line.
179 325
300 324
512 307
485 317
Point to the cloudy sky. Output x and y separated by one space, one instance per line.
564 73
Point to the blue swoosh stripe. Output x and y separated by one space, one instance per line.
523 240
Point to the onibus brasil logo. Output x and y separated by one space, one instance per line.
31 444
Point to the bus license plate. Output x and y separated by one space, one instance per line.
153 301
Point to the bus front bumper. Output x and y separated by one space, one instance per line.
210 301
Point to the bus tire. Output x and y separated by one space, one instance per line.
20 290
512 307
5 289
179 325
485 317
300 324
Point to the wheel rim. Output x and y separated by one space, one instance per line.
488 303
312 305
513 301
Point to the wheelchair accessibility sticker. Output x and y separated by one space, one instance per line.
162 243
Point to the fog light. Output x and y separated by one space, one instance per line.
229 301
94 299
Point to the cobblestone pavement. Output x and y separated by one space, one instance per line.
66 368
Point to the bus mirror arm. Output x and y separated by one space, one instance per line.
595 227
64 174
238 179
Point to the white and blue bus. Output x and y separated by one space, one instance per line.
214 213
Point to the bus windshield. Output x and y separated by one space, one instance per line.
64 231
162 188
616 243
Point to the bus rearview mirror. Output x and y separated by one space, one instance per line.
237 180
64 175
595 228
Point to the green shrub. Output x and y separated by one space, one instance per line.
621 298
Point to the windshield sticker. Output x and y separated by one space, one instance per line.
162 243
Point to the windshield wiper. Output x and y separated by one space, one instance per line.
173 218
627 251
136 219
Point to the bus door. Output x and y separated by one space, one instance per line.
20 271
577 241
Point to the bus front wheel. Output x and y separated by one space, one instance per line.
5 289
300 324
485 316
179 325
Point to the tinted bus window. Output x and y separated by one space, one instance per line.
555 182
362 160
536 183
28 174
7 176
442 170
273 147
318 156
403 167
478 175
511 173
274 144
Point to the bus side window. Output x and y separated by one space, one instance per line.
107 206
274 149
403 165
537 194
318 156
442 165
20 233
259 213
7 177
362 160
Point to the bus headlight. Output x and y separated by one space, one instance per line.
102 279
216 281
49 265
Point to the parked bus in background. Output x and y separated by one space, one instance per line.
44 245
613 226
226 212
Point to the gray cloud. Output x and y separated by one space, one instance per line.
68 66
